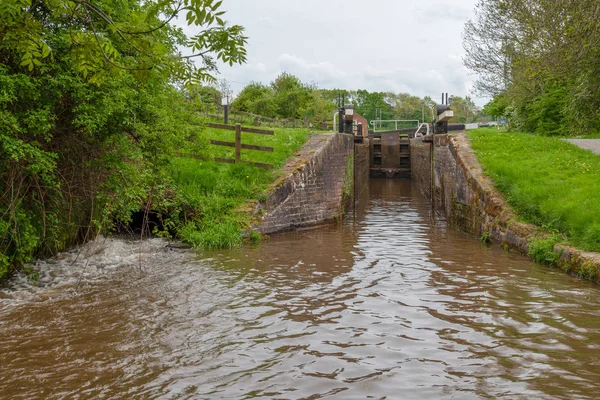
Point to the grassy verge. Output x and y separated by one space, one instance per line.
212 193
549 182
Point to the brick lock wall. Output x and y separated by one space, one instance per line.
312 193
452 194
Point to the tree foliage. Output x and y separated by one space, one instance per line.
372 105
541 57
105 38
89 114
287 97
207 97
465 110
290 95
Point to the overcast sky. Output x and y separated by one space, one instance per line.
379 45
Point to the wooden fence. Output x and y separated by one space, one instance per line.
243 117
238 145
291 123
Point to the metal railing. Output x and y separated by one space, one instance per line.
418 132
395 121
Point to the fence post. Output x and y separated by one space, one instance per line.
238 143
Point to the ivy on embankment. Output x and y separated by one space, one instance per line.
549 182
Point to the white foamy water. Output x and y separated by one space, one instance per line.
82 265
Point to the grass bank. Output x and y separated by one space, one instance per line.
548 182
212 193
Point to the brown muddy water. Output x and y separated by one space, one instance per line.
391 304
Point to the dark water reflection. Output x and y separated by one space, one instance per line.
391 304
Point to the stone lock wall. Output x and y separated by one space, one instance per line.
311 189
421 164
460 192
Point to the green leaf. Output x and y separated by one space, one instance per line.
45 50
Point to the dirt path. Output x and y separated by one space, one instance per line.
587 144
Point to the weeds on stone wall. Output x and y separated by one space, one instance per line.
542 250
348 187
485 238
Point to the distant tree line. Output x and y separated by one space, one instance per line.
539 59
287 97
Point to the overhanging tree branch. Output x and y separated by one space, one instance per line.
165 23
106 57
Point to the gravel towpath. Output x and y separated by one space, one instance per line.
587 144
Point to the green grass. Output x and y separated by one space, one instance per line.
285 143
549 182
212 192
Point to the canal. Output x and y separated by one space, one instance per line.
390 304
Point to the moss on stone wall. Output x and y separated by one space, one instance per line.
348 188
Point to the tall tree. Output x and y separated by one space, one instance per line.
372 105
318 109
256 98
542 57
290 95
409 107
465 111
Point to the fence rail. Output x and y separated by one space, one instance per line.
238 145
243 129
244 117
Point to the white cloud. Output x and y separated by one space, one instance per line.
319 72
440 12
267 21
387 45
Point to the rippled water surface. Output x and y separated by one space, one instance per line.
391 304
